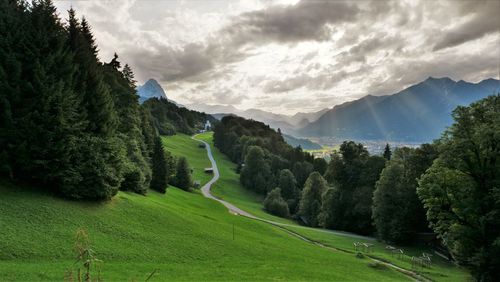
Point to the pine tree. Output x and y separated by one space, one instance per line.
90 86
387 152
115 64
183 174
46 115
159 181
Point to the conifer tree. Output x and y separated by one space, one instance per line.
90 86
183 174
159 181
387 152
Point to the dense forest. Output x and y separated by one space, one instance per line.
70 122
264 158
169 118
450 187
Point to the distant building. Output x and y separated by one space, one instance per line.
208 125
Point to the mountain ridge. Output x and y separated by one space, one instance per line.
419 112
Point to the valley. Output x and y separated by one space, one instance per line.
178 236
287 140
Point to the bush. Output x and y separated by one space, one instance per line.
133 181
275 204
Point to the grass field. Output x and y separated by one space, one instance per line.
228 186
181 235
183 145
230 190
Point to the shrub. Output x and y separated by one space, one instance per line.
275 204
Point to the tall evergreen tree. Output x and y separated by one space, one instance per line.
183 178
387 152
159 181
93 91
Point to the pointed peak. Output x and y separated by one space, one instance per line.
151 89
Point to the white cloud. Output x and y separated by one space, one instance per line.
289 55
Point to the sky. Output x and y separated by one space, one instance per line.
288 56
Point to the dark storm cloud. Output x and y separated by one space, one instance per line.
173 64
484 19
307 20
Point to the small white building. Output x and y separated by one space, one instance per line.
208 125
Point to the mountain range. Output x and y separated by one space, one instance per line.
418 113
287 123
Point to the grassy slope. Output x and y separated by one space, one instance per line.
230 190
183 145
228 187
183 235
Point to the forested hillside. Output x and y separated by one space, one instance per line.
70 122
169 118
266 161
448 187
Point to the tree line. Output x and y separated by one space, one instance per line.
264 159
170 119
450 187
68 121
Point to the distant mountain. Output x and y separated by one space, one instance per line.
305 144
419 113
286 123
302 119
151 89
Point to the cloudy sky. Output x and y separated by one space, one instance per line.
287 56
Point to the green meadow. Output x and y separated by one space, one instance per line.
175 236
229 189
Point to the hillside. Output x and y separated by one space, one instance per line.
418 113
305 144
170 119
181 235
228 188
